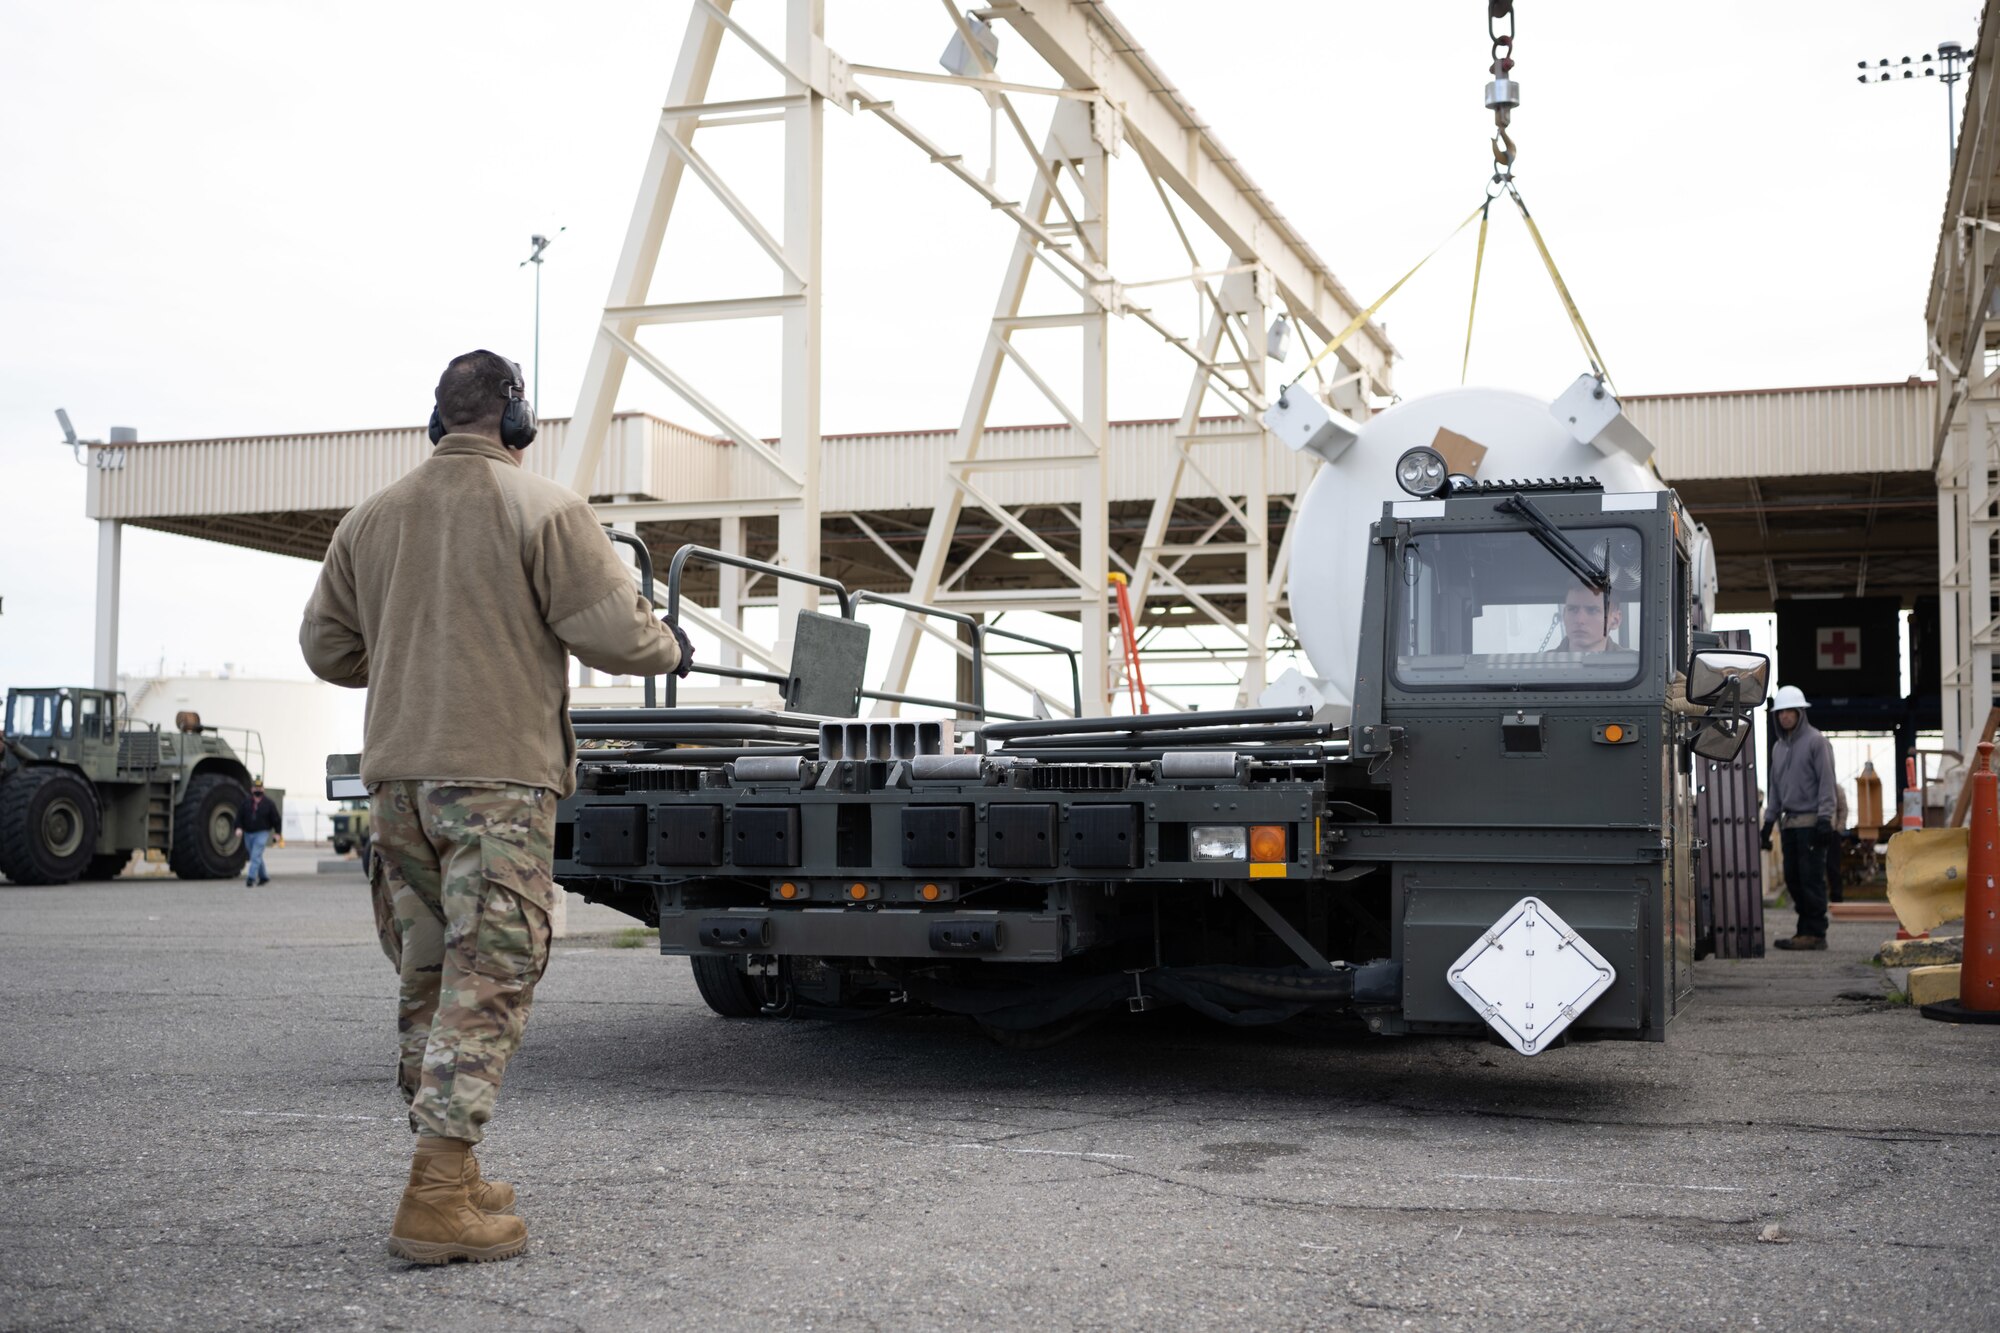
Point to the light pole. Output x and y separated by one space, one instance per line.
540 243
1954 59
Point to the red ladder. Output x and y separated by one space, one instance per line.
1128 634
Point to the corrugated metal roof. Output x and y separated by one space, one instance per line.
901 471
1842 429
653 459
1849 428
338 469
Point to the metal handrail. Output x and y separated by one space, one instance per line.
1074 655
644 556
715 557
850 604
976 705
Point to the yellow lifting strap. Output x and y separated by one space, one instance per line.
1562 290
1478 263
1381 300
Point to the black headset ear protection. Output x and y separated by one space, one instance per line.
517 421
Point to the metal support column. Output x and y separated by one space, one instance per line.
1072 150
110 540
798 431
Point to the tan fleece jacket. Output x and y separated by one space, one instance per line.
456 596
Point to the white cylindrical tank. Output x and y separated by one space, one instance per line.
1330 543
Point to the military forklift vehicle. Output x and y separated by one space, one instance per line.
83 786
1495 834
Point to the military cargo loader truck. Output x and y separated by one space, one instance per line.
83 786
1491 830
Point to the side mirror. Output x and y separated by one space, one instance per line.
1727 678
1720 736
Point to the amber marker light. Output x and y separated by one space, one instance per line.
788 890
1614 733
1267 842
929 893
857 891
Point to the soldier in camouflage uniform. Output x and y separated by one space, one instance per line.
457 596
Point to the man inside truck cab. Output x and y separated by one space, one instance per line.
1589 619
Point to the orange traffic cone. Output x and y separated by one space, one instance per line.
1979 974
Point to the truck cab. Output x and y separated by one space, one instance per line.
72 726
1522 652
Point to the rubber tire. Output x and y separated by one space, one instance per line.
725 988
109 865
23 799
192 855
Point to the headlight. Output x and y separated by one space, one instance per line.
1422 472
1227 842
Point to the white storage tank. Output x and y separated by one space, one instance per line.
1520 438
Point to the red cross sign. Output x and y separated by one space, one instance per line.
1839 647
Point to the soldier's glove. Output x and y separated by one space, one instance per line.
1765 840
687 648
1824 828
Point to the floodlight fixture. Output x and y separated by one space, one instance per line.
961 60
1953 57
540 244
1278 340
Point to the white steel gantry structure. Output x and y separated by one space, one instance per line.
1964 344
1108 96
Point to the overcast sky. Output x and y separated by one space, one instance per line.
237 218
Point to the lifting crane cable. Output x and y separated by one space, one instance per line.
1562 290
1478 263
1503 94
1381 300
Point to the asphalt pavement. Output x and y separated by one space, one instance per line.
199 1129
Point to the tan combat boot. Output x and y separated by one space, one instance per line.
488 1196
437 1221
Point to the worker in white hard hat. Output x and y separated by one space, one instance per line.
1800 803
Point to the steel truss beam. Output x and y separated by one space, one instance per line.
1110 95
1962 337
809 75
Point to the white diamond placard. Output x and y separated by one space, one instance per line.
1530 975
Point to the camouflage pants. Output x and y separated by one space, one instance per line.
463 890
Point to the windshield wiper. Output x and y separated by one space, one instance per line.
1594 575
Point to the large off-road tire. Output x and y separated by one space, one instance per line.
48 826
725 988
110 865
207 843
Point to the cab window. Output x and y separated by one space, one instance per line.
1498 610
32 715
87 709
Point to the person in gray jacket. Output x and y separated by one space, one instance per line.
1800 804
